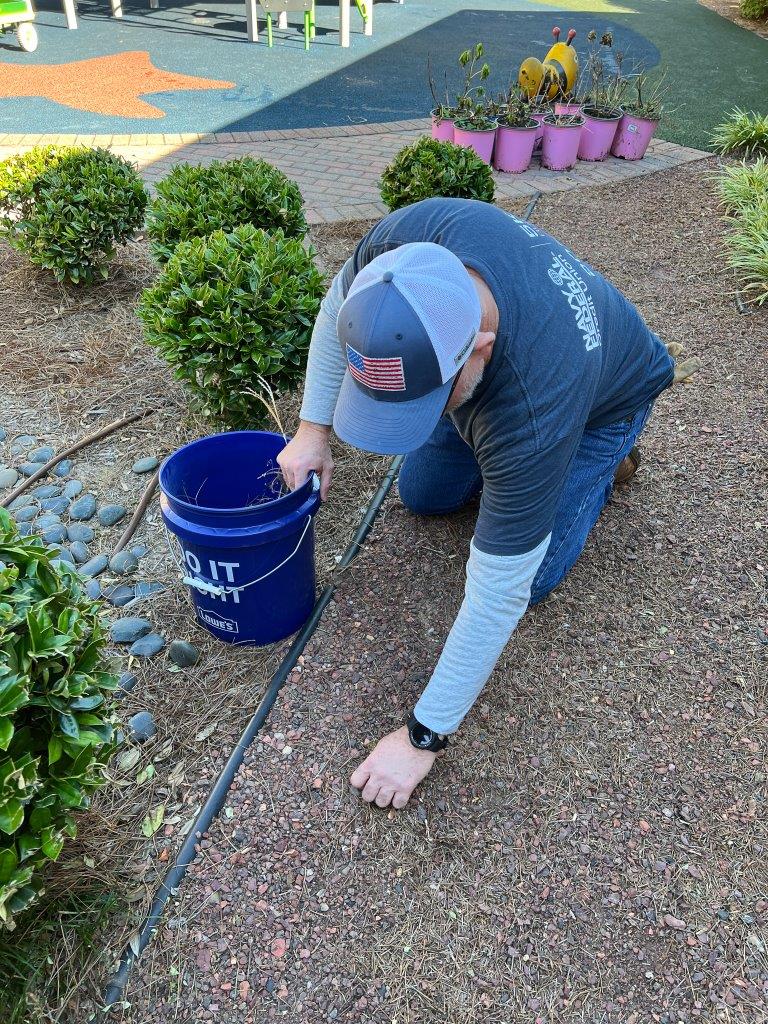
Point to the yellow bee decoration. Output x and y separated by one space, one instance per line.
556 75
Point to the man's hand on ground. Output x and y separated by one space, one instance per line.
392 770
308 452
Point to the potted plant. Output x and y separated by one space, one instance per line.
567 104
560 144
515 134
601 108
540 107
476 129
445 115
443 112
640 119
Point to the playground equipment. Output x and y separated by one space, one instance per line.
20 14
556 75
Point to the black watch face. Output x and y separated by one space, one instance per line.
422 736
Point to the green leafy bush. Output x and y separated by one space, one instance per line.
17 173
193 202
230 309
742 131
69 218
429 168
754 8
743 185
56 725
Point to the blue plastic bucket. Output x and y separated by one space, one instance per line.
247 555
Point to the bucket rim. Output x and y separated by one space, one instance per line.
311 484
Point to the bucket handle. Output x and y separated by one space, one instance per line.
218 589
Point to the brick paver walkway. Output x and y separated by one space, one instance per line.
338 168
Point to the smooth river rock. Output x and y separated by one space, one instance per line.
183 654
111 514
94 565
83 508
141 727
147 646
145 465
125 631
123 562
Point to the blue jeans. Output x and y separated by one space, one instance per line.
443 475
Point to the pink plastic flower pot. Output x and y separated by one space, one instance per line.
567 108
560 145
481 142
597 135
514 148
633 137
442 130
538 118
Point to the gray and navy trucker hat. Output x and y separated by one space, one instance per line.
406 328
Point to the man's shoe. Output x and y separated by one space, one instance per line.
627 467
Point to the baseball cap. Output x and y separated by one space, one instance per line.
406 328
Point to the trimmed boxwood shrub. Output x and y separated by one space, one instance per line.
18 172
56 722
70 217
194 201
232 308
431 168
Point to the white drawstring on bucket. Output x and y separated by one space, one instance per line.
218 589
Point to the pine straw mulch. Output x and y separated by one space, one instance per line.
593 849
74 359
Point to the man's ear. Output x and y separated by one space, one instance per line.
483 341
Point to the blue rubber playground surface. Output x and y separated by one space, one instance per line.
711 64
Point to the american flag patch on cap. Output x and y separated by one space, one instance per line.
379 374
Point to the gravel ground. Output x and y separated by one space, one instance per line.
593 847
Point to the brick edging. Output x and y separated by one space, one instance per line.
215 138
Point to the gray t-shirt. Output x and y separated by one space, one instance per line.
570 352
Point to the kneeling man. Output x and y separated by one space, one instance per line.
502 366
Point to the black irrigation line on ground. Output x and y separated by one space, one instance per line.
221 786
218 794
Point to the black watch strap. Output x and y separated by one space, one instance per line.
423 738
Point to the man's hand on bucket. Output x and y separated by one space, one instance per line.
309 451
392 770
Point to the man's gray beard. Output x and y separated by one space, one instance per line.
468 388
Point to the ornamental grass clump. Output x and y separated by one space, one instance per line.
194 201
754 9
742 132
743 185
233 315
430 168
68 211
56 720
744 194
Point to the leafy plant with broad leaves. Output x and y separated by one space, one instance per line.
71 217
742 131
17 173
430 168
194 201
56 720
232 311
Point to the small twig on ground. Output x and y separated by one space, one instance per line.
137 516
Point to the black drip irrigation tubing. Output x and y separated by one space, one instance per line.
218 794
532 205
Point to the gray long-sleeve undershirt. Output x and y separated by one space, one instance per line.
498 586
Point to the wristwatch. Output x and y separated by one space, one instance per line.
423 738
